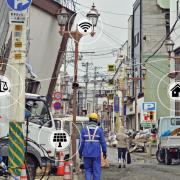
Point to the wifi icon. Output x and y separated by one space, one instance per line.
85 27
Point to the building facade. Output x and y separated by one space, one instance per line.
175 63
147 27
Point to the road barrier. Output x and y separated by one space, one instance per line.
60 167
67 171
23 173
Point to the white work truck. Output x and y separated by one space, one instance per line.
168 140
41 125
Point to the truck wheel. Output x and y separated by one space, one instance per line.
168 159
159 157
31 167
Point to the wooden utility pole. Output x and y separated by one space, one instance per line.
77 36
136 80
94 92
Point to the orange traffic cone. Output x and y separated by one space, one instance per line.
67 171
60 168
23 173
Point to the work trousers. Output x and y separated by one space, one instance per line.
92 167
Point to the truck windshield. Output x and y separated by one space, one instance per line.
37 112
175 122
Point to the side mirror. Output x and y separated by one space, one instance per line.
41 124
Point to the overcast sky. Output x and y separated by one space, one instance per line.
107 38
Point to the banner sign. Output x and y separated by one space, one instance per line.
116 104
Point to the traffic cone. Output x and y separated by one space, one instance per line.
67 171
23 173
60 167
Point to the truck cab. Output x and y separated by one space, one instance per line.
40 127
168 141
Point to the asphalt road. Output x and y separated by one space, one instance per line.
142 168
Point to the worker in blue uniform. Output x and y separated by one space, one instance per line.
92 140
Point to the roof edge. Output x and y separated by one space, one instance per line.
50 6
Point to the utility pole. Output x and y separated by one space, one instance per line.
65 82
86 79
136 80
94 92
86 86
17 73
63 19
136 102
77 37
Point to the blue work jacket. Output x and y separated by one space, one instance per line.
92 140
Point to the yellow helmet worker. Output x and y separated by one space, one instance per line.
94 116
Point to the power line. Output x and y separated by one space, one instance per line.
125 28
119 14
172 29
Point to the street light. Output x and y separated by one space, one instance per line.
143 72
169 46
93 15
63 18
128 71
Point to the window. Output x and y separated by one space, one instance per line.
136 39
37 112
175 122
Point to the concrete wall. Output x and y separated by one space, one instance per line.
44 45
173 16
153 32
175 36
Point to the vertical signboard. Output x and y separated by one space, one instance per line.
148 114
116 104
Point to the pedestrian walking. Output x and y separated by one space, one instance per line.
123 144
92 141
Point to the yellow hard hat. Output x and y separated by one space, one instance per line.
94 116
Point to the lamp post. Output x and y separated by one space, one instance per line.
63 18
136 78
169 46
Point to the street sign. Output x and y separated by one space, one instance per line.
57 96
57 106
116 104
17 21
19 5
150 106
17 17
111 68
148 113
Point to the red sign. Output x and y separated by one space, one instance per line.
57 106
57 96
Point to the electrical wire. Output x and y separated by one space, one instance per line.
168 35
119 14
